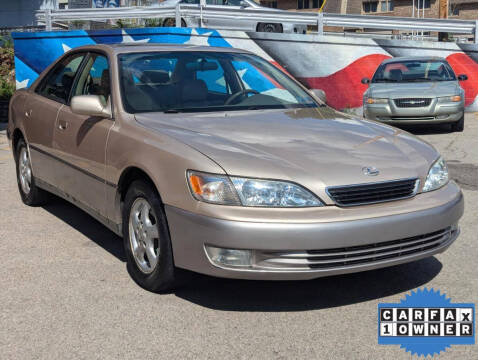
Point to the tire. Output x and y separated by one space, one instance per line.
459 125
152 267
171 22
267 27
30 193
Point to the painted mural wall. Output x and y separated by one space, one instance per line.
335 64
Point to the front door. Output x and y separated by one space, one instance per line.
81 140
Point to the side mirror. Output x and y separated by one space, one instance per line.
365 81
244 4
318 95
462 77
90 105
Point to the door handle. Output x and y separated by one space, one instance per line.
62 125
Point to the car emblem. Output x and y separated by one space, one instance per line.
370 171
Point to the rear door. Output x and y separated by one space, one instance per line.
41 111
81 140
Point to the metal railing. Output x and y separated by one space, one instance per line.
263 15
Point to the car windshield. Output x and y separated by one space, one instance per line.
414 70
205 81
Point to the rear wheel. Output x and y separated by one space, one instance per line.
459 125
30 193
267 27
146 239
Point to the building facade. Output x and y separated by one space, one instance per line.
457 9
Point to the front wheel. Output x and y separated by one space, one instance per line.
30 193
146 239
459 126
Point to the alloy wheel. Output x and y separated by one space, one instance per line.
25 170
144 235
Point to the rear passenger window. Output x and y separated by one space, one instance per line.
58 82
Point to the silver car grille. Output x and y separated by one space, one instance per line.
329 259
353 195
412 102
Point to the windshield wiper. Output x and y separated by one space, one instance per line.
171 111
385 80
419 79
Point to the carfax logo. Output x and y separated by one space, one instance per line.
426 323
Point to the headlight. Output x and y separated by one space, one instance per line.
447 99
376 101
220 189
212 188
437 176
256 192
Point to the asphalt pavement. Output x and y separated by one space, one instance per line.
65 292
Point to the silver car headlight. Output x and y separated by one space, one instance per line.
370 100
437 176
448 99
224 190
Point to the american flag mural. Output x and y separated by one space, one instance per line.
334 64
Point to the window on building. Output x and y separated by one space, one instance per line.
419 4
370 6
453 10
386 5
309 4
269 3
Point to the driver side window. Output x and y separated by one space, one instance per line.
57 84
95 78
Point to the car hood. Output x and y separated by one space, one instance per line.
414 89
314 147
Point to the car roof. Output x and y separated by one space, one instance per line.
413 58
150 47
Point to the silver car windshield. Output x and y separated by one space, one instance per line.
415 70
205 81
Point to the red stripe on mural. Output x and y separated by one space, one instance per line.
343 88
463 64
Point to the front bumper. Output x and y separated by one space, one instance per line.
294 251
435 113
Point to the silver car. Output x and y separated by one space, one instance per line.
415 90
243 24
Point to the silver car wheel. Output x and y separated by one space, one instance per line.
270 28
144 235
25 170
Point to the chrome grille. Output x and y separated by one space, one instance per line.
352 195
412 102
356 255
413 118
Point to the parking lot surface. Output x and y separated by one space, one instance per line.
65 292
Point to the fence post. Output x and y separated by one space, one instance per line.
320 23
48 19
202 4
178 15
476 31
